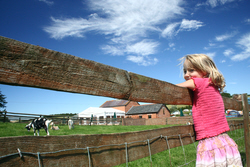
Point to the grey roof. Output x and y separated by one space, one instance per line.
145 109
114 103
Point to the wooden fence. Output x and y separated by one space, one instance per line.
33 66
27 118
29 65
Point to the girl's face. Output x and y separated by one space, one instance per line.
190 71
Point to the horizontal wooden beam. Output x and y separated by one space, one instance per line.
34 66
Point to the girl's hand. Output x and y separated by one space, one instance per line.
187 84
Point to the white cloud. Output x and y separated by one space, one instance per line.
142 60
169 31
241 56
136 59
247 21
184 25
142 48
68 27
211 44
212 55
171 45
244 43
188 25
206 48
215 3
228 52
113 50
224 37
120 19
126 23
212 3
223 61
47 2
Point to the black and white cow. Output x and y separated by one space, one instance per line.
38 124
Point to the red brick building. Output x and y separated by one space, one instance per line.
148 111
123 105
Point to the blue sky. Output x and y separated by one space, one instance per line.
146 37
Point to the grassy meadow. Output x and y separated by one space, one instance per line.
18 129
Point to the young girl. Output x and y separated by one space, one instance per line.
215 147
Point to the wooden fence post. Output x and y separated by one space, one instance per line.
246 127
4 118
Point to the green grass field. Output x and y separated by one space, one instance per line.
18 129
158 160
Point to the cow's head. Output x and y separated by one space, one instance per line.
49 121
28 127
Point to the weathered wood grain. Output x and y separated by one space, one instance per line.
34 66
246 127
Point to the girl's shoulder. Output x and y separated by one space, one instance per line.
208 80
202 82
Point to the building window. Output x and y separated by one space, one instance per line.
149 116
140 116
163 111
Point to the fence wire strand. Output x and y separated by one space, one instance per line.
168 150
89 157
126 148
38 157
149 152
182 148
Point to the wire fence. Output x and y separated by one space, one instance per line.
238 135
236 132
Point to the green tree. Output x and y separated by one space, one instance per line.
173 109
225 94
2 100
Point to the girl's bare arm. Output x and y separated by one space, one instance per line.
187 84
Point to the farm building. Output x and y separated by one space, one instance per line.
100 114
148 111
123 105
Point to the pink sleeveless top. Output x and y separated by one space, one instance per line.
208 110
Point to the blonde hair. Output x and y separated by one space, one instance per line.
205 65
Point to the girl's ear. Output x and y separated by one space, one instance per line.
205 74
